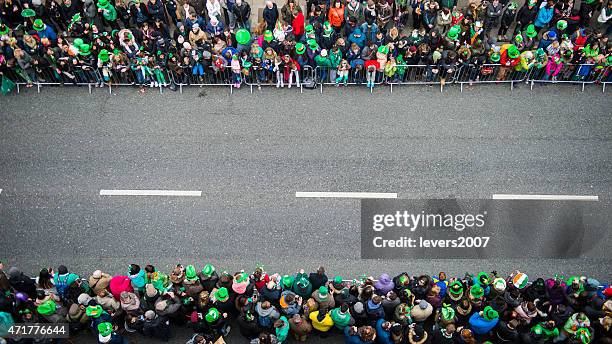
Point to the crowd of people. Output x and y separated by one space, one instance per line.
268 308
164 42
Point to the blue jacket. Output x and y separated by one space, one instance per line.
214 30
354 339
480 325
360 41
544 16
373 31
382 336
48 33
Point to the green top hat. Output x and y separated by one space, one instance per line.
453 33
531 31
288 280
94 311
212 315
309 29
103 55
476 291
103 3
383 49
562 25
489 313
495 57
190 271
456 288
243 36
222 294
38 25
208 270
313 44
28 12
513 51
84 50
300 48
4 29
268 37
105 329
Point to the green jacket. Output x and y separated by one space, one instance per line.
323 61
340 320
109 13
335 58
282 332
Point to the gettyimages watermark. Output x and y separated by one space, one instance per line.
481 228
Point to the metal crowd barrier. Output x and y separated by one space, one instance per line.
489 73
357 76
570 73
256 77
582 74
423 75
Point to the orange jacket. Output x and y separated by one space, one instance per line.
336 16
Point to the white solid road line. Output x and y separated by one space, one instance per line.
548 197
347 194
150 193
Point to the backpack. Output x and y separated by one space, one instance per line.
309 83
6 321
265 321
62 286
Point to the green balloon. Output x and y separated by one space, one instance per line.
243 36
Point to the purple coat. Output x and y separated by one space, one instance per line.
384 284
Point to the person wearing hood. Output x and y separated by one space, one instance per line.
130 303
374 309
119 284
384 284
21 282
290 303
137 277
321 321
107 301
98 281
281 329
421 311
156 326
300 328
301 284
357 37
267 314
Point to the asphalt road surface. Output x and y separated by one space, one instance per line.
250 153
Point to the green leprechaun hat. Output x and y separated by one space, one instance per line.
309 29
208 270
476 291
221 294
495 57
84 50
455 290
300 48
105 329
531 31
103 3
28 13
268 36
513 51
38 25
489 313
104 56
4 29
287 280
453 33
562 25
383 49
312 44
212 315
190 271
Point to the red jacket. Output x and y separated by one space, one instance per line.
298 24
504 59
